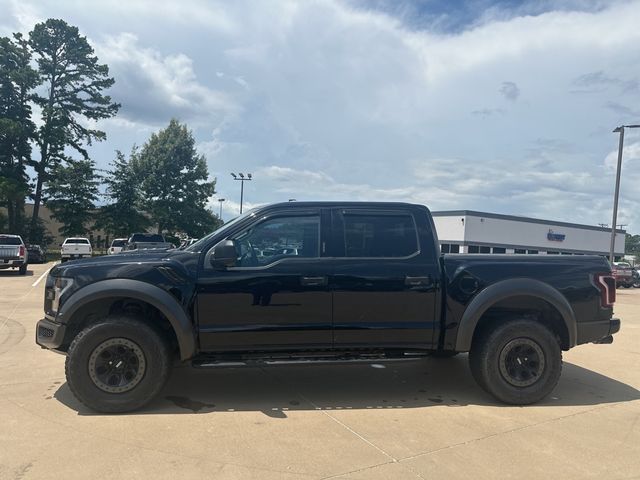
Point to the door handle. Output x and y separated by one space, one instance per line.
313 281
420 282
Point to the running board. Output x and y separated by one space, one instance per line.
217 362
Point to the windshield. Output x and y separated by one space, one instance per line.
118 243
82 241
199 245
10 241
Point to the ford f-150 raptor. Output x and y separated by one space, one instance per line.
366 282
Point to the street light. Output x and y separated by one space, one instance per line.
220 200
242 179
619 130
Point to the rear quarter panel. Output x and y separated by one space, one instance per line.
464 276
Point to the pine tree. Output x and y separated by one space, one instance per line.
74 82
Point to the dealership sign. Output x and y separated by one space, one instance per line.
555 237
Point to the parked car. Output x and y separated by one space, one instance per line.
623 273
13 253
37 254
147 241
187 242
117 246
368 284
74 248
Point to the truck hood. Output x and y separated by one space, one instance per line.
126 265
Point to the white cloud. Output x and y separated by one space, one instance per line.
153 86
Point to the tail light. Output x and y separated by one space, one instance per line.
606 283
21 253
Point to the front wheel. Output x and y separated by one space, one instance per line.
518 362
117 365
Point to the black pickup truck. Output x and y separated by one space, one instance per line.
309 282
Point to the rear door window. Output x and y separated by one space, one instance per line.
384 235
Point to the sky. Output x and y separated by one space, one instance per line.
498 106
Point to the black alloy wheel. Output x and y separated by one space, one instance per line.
522 362
117 365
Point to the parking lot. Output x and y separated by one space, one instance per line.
424 419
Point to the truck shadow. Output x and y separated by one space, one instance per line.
277 390
14 273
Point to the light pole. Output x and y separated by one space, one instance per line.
619 130
242 179
220 200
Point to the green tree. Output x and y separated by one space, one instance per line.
74 82
174 182
17 80
71 194
632 244
123 215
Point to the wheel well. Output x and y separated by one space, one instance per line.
98 310
529 307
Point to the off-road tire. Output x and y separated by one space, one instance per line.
156 363
22 270
493 353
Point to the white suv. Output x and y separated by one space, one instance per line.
75 247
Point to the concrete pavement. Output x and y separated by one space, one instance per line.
425 419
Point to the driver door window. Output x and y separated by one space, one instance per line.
279 238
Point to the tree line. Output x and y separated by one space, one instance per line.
52 94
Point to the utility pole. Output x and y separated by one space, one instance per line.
242 179
221 200
616 193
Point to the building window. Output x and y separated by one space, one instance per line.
474 249
532 252
445 248
565 253
553 253
520 251
485 249
454 249
499 250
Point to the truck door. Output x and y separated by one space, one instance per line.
384 281
277 296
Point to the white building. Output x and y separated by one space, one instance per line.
466 231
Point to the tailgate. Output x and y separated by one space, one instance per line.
9 251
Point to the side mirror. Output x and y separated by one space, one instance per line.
224 255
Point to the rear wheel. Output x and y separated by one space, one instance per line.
22 270
117 365
518 362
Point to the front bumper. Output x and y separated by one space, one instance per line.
49 334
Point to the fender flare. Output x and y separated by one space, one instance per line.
118 287
511 288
